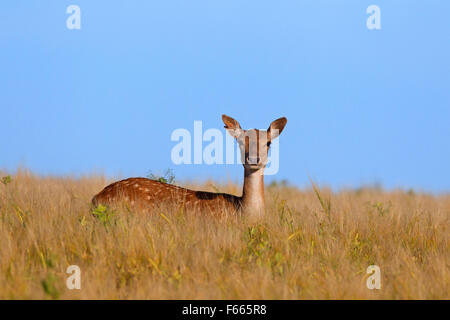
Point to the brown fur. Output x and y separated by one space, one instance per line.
146 193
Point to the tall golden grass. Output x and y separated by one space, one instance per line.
312 244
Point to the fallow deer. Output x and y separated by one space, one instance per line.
254 147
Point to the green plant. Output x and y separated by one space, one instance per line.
6 180
103 214
49 286
257 240
380 208
167 177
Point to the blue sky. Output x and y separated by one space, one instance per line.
363 106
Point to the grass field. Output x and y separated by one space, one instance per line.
311 245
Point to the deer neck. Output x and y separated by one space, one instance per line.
253 192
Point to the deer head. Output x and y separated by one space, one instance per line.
254 144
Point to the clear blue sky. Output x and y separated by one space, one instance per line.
362 106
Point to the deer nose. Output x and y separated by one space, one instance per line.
253 160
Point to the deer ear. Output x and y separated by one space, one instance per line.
276 127
233 127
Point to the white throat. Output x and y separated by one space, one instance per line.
253 192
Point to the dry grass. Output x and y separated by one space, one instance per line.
305 248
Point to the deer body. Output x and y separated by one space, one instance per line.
147 194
